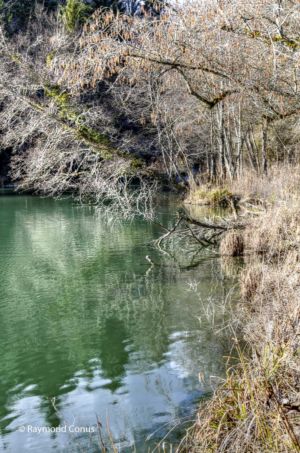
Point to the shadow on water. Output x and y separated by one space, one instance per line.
88 332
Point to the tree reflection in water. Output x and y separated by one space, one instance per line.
86 330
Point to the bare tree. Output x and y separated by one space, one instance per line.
62 144
205 87
237 59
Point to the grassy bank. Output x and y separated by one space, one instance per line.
257 409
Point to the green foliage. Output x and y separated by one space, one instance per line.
292 43
61 97
14 14
49 59
74 14
136 164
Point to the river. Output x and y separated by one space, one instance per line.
96 342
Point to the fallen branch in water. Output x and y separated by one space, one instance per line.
205 233
213 226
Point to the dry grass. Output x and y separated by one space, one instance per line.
232 243
280 185
276 232
257 409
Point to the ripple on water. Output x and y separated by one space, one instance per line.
89 331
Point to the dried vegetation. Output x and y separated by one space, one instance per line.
257 409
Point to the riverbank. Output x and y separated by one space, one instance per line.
257 408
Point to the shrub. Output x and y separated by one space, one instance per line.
74 14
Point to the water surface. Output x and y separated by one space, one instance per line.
91 335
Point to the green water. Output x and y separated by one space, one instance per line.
90 331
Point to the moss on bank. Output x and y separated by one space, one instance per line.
205 195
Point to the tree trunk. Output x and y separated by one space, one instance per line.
221 140
264 159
